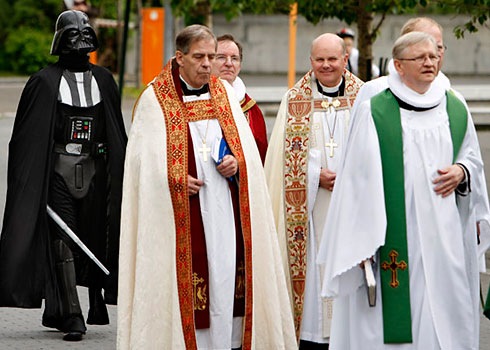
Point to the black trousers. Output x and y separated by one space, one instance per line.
87 218
308 345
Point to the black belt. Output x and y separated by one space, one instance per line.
92 148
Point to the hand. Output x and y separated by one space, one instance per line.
193 185
327 179
228 167
448 180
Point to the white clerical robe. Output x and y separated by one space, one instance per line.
441 235
149 314
324 126
375 86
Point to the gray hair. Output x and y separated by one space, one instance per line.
191 34
417 23
410 39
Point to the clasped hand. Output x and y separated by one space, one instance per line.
448 180
227 168
327 179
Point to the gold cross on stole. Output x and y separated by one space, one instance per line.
393 265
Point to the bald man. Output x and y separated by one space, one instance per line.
301 164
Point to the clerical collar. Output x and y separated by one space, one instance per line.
410 107
331 91
188 90
430 98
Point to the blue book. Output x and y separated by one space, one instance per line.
220 150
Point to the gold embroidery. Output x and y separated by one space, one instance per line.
248 105
393 265
297 142
200 297
296 146
334 104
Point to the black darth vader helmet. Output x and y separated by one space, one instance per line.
73 34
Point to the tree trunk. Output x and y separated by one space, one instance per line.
201 14
365 40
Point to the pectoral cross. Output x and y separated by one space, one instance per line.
205 150
393 265
331 144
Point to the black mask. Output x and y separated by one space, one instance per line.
74 35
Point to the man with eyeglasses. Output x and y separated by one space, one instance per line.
417 24
227 66
410 146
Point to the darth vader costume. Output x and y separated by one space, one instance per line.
67 151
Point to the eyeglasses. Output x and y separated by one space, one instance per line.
441 47
421 59
224 58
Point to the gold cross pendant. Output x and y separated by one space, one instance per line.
205 151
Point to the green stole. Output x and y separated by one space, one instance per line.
486 308
393 256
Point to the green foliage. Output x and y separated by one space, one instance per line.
27 50
106 8
27 28
36 14
194 11
24 42
5 16
478 10
315 11
349 10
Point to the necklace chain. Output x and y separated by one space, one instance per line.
331 131
204 149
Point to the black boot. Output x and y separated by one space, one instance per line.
72 319
97 313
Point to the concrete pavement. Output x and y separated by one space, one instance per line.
21 329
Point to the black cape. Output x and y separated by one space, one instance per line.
26 271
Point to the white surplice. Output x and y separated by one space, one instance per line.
219 229
441 235
375 86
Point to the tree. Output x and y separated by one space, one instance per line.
200 11
360 11
26 33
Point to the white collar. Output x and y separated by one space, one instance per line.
240 89
333 88
432 97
